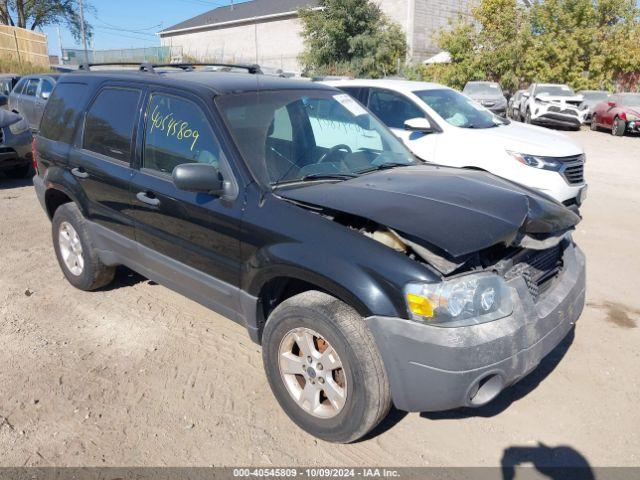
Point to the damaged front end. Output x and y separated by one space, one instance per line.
476 235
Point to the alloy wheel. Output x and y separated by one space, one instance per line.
312 372
71 248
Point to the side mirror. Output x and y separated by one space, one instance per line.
611 103
45 95
198 177
418 124
526 94
3 100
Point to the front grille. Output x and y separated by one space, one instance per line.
565 111
538 268
573 171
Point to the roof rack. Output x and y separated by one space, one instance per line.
150 67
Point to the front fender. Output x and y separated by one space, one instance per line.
358 286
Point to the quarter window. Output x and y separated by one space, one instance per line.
177 132
62 110
109 123
392 108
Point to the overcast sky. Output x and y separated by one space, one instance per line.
131 23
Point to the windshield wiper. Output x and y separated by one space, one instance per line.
384 166
328 175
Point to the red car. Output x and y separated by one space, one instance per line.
620 113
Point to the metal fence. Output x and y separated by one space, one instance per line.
75 56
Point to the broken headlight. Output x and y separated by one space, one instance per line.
536 161
459 302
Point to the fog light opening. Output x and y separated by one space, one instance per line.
485 389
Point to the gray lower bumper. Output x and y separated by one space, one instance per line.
38 183
436 368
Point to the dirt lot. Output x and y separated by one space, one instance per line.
138 375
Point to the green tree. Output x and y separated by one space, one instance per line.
32 14
585 43
351 37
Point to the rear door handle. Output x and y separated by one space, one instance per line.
145 198
79 172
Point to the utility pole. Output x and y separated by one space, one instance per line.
84 34
60 43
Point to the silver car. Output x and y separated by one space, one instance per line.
29 97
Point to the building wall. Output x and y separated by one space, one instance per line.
278 43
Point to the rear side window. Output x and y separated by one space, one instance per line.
108 127
61 114
20 86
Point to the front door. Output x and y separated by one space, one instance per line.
26 104
394 109
187 240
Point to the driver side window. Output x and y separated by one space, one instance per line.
392 108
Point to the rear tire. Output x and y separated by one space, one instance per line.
75 251
618 127
23 171
331 324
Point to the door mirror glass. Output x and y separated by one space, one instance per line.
198 177
419 124
45 95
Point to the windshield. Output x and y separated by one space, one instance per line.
459 110
492 89
291 136
630 99
594 96
555 90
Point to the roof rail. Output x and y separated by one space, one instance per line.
150 67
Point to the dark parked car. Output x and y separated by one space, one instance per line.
15 144
515 106
590 99
368 277
30 96
620 113
489 95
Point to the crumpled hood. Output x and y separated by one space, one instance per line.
457 211
8 118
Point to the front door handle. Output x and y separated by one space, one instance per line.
145 198
79 172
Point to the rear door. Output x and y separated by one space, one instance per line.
394 109
190 241
102 161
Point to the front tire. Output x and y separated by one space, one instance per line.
618 127
75 251
324 367
527 117
594 124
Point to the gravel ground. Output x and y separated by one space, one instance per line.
137 375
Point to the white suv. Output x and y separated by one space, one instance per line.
553 105
443 126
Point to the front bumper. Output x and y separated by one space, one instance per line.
557 119
15 150
437 368
633 126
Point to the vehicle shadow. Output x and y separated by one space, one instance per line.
125 277
561 462
394 416
512 393
7 183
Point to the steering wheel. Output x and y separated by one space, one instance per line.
333 150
